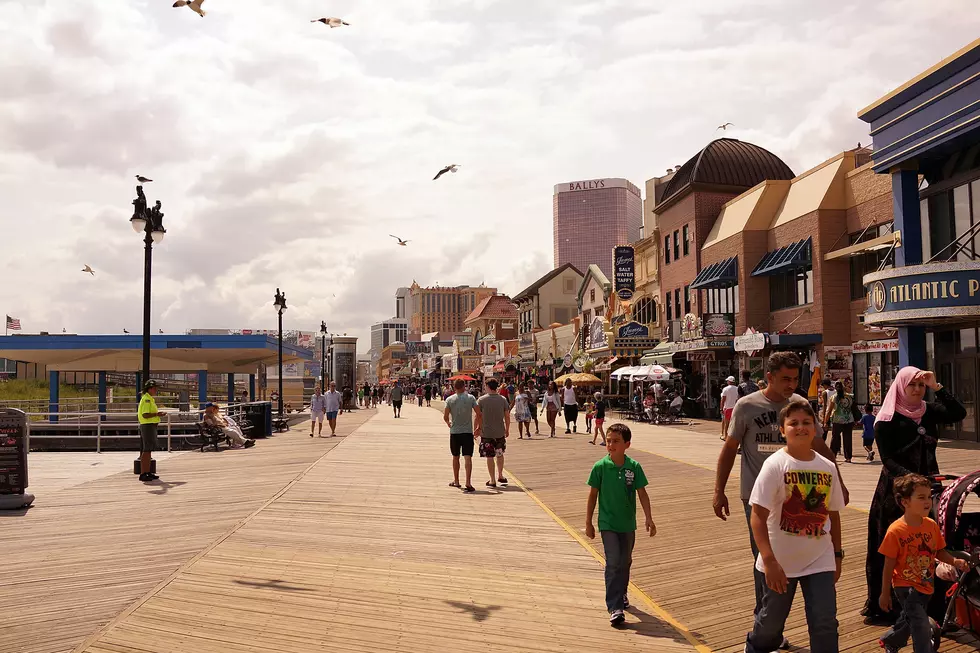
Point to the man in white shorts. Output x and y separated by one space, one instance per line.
333 401
318 407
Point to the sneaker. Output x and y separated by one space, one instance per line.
568 431
886 648
784 645
937 634
626 602
147 478
502 481
249 443
575 428
617 617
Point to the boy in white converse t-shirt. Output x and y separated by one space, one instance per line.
796 523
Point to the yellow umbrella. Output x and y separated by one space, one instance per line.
580 378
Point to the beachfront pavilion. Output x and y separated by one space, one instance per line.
169 354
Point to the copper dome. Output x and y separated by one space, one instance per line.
726 163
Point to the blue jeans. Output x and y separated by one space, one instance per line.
619 559
820 597
913 621
760 578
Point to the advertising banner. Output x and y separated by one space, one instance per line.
624 271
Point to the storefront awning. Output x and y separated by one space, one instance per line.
662 354
874 244
795 339
723 274
784 259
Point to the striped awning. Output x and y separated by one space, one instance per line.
723 274
791 257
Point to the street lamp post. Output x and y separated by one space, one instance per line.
323 355
280 305
149 222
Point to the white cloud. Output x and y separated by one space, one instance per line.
285 152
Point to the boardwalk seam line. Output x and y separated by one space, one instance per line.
664 616
115 621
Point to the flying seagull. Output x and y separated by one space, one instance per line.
193 4
725 126
403 243
332 22
89 270
453 167
143 180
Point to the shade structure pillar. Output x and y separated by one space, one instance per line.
202 389
103 394
908 221
231 388
54 392
251 387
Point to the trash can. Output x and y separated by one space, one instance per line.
13 460
259 415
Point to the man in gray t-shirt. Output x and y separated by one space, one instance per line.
460 408
755 428
493 427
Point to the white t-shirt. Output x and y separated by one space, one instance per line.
568 396
730 395
332 398
658 390
799 495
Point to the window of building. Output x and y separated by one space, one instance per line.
949 214
569 285
645 311
592 296
677 245
687 294
666 249
868 262
686 234
561 314
670 308
721 300
794 288
677 303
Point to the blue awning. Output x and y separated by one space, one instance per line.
723 274
791 257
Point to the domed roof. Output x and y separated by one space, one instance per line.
727 162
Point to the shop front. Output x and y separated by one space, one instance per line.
875 367
751 347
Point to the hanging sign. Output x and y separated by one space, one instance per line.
624 271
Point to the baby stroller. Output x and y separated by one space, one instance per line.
962 533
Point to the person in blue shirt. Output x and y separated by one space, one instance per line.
868 435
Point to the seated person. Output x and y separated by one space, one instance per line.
648 405
676 405
227 425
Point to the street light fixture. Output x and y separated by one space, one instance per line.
149 222
280 305
323 355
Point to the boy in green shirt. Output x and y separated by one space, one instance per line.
616 480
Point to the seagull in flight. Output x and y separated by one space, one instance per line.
89 270
193 4
140 178
725 126
453 167
403 243
331 22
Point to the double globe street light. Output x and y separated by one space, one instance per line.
149 222
280 305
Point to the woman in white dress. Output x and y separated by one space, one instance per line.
522 411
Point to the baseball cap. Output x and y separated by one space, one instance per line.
210 404
731 379
149 384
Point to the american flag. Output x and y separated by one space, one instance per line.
13 324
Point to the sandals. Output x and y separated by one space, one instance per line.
491 484
469 489
455 484
502 481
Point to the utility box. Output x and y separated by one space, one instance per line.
13 459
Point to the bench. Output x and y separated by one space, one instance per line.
211 436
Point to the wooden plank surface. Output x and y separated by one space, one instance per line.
88 550
372 551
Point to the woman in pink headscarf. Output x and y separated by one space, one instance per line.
907 432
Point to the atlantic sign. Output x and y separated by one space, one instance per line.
923 293
624 271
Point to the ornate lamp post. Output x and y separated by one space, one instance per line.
280 305
149 222
323 355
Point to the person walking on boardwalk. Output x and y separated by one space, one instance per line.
616 481
420 395
522 411
600 417
755 428
149 418
459 418
570 406
395 397
493 427
428 395
318 409
332 403
533 395
552 405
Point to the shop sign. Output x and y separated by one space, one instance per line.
923 293
691 327
597 335
875 346
471 363
634 330
624 271
718 325
579 363
701 356
703 343
751 342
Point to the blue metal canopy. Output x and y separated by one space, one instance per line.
785 259
723 274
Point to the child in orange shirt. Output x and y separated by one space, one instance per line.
911 547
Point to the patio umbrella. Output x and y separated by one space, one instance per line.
651 373
461 377
580 378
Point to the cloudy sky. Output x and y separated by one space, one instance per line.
285 152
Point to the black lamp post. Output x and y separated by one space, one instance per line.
323 355
150 223
280 305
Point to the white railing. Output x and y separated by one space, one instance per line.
168 422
